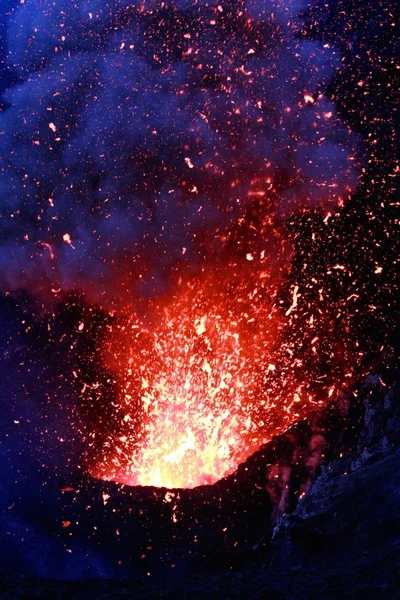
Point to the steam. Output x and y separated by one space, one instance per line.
138 133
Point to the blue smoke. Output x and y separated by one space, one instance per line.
135 129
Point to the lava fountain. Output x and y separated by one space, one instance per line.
189 386
194 400
169 143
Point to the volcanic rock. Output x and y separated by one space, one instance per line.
350 517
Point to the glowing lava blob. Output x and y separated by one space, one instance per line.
193 402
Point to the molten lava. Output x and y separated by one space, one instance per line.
210 373
193 399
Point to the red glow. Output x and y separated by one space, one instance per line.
210 374
194 401
192 384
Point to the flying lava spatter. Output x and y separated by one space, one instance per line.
168 143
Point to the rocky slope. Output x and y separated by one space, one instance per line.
347 526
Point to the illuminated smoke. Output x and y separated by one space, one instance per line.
158 147
138 133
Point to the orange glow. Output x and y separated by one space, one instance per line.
206 377
192 402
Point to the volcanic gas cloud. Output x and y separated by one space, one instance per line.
153 153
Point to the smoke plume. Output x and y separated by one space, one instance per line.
138 133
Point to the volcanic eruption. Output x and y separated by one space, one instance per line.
166 148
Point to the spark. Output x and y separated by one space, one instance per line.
67 240
294 301
189 162
49 248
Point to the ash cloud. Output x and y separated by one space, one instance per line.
138 133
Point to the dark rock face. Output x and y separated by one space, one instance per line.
350 516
